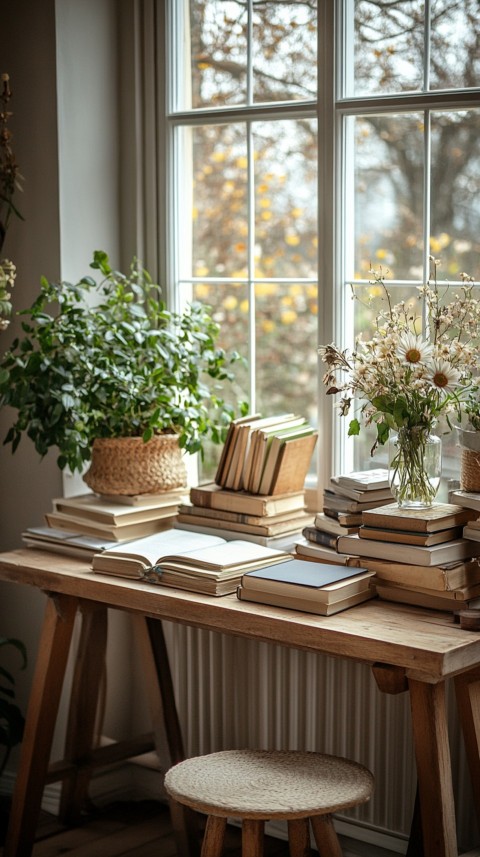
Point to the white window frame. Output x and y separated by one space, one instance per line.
331 109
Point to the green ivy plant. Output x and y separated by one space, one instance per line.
122 366
12 721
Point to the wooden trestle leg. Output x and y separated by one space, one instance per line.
80 736
166 725
41 716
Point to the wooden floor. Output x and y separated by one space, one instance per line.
143 829
137 829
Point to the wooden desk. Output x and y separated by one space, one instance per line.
408 649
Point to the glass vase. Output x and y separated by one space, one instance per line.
415 467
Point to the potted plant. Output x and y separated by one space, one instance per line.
85 374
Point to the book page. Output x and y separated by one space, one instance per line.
151 549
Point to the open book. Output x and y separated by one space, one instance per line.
187 560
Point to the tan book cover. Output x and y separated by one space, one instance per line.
293 464
451 601
114 532
290 525
320 552
304 605
211 516
304 579
402 537
228 446
212 496
437 577
266 439
457 549
327 524
94 508
437 517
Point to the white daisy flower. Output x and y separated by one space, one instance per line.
444 377
413 349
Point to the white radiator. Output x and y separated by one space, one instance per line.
238 693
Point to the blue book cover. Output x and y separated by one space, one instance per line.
304 573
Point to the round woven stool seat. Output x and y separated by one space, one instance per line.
269 784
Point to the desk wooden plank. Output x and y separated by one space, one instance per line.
426 643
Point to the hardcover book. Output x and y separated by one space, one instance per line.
334 526
293 524
211 516
457 549
193 561
450 601
466 499
321 553
212 496
336 503
305 579
288 461
363 480
445 577
410 538
363 496
115 532
437 517
318 537
471 533
94 508
304 605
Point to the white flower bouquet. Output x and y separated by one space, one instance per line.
418 365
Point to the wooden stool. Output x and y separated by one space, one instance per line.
260 785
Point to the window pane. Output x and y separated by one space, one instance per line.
388 47
455 53
388 179
230 308
285 198
220 222
286 331
218 52
284 50
455 195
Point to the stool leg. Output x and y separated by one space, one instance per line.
325 836
252 838
299 837
214 835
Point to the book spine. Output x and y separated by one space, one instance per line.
319 537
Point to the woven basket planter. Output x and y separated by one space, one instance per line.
469 442
127 465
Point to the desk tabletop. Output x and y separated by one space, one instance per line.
427 644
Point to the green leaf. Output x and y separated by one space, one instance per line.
383 432
354 428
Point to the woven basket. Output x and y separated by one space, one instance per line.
469 442
127 465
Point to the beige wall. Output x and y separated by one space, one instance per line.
62 58
26 484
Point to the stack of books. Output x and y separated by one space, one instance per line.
419 557
310 587
269 455
192 561
343 503
274 520
88 523
470 501
349 495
